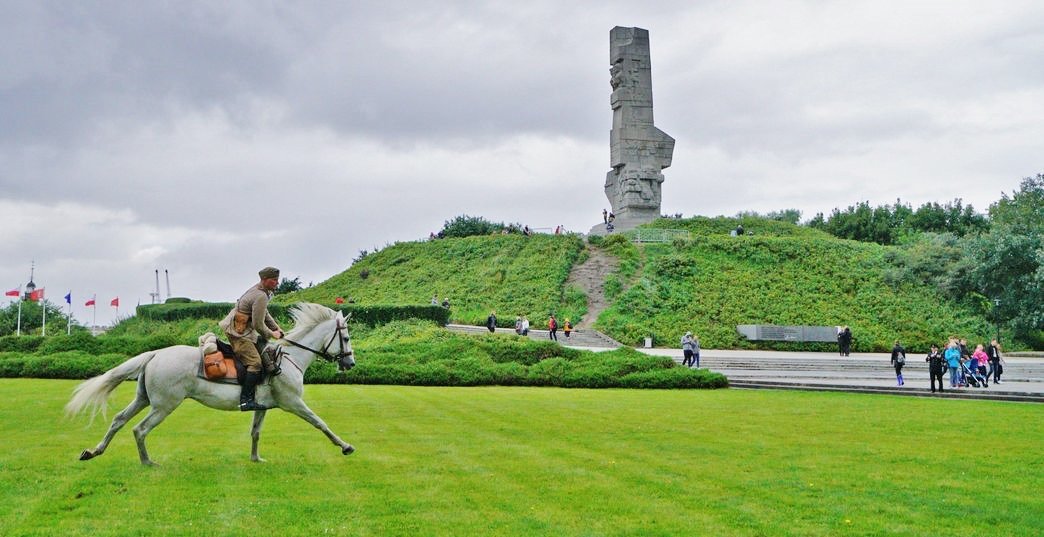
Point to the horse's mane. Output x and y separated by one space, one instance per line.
306 315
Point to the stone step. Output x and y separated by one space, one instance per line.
948 394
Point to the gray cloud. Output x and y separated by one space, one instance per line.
214 138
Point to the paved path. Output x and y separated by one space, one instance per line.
1023 379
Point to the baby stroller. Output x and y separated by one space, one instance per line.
971 377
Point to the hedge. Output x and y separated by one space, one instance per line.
368 314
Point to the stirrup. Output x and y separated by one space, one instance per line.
251 405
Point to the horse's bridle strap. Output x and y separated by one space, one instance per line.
325 353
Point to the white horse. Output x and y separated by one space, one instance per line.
168 376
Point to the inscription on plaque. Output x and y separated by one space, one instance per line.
771 332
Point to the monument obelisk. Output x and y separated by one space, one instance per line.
638 151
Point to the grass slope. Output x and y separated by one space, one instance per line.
532 461
511 274
781 274
715 282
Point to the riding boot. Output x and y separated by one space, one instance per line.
246 397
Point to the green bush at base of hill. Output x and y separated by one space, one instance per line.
421 353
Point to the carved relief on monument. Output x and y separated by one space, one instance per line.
638 151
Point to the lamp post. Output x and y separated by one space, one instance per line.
996 316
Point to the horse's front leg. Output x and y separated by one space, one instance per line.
301 410
255 435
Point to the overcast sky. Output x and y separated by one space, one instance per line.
210 139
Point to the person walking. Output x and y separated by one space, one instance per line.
249 325
993 352
491 322
525 326
686 345
979 359
898 360
567 327
845 340
936 365
518 324
952 354
552 328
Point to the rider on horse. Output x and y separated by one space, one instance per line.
248 322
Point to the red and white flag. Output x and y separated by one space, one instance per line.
37 295
12 292
115 302
90 302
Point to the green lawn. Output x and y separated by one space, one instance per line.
533 461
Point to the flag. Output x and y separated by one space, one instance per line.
115 302
68 298
89 302
12 292
37 295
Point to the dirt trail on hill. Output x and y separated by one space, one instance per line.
590 277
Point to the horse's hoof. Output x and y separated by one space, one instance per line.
149 463
86 455
348 450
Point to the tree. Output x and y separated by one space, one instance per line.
890 224
288 286
32 318
1008 264
792 216
468 226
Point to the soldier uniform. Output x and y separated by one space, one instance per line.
248 321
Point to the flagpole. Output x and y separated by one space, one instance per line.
94 318
68 325
43 326
19 332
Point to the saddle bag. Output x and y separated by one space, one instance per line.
214 365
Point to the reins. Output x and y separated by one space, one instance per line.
325 352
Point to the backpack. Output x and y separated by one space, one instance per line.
901 359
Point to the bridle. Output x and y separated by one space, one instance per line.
325 353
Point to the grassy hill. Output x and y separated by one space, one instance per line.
512 274
777 274
712 283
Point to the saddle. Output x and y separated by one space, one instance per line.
219 362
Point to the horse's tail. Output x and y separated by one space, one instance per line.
93 393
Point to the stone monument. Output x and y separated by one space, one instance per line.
638 151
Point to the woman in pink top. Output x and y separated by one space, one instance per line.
981 359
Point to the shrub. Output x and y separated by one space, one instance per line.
20 343
369 314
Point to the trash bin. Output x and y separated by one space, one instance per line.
648 343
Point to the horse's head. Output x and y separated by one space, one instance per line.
327 330
345 357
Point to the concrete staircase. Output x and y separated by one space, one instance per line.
877 366
585 337
869 374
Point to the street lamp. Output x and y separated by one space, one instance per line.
996 316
